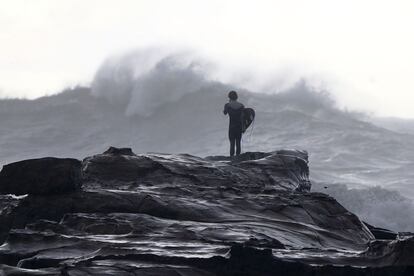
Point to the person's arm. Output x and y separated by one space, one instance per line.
225 111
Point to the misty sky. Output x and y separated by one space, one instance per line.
362 51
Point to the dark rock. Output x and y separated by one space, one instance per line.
119 151
114 165
164 214
252 261
55 207
44 176
396 252
15 271
8 204
381 233
242 252
283 170
245 156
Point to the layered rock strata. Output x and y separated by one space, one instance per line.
165 214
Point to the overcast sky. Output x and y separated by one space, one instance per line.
362 51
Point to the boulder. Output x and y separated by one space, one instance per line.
43 176
118 165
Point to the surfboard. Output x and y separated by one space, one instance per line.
248 117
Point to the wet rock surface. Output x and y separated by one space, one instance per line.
162 214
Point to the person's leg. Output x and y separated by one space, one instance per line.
232 144
232 141
238 144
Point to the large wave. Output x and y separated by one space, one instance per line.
143 80
147 79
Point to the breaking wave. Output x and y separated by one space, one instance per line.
146 80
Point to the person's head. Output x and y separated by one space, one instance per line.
233 95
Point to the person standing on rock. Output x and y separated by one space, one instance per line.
235 111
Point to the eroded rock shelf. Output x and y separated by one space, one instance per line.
121 213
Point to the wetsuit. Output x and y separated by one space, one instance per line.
235 111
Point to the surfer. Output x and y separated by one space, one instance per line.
235 111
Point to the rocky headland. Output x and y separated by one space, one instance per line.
121 213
